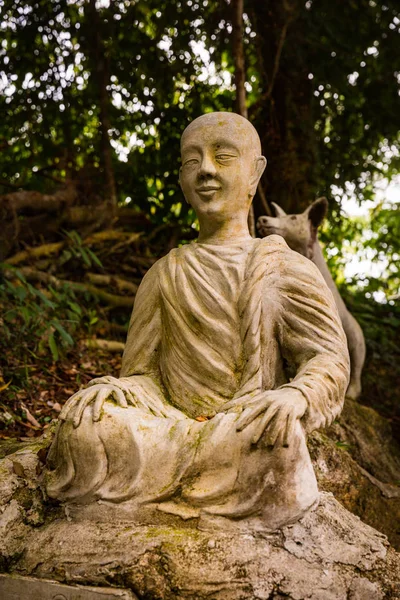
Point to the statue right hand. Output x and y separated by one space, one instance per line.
97 393
276 410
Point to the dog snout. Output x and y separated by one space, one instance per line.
262 221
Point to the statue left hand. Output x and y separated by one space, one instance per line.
278 412
122 391
97 393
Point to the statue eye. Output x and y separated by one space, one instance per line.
190 162
225 157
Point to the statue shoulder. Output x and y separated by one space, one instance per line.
153 273
274 242
178 253
275 248
286 262
165 262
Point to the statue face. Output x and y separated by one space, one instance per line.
219 165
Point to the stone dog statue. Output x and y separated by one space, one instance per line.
300 233
203 422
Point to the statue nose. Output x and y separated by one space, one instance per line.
207 166
263 221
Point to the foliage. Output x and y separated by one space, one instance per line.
153 89
333 105
46 319
322 93
42 327
355 88
79 251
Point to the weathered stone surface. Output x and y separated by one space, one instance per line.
370 441
328 555
235 352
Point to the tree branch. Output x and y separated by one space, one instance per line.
277 61
37 202
54 248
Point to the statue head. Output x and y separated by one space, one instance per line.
221 165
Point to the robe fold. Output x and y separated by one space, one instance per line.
210 324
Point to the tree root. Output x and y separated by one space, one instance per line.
111 299
109 345
37 252
54 248
114 282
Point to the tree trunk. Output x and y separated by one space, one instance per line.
283 116
238 55
101 71
240 77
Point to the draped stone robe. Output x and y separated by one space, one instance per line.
212 323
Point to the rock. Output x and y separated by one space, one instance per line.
358 460
28 588
370 440
362 588
330 554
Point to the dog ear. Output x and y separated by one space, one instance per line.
316 212
279 212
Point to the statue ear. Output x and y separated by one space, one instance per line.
279 212
317 211
261 163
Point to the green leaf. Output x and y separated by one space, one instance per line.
54 292
343 445
64 334
11 288
75 307
20 276
44 299
20 292
53 347
25 314
65 257
85 257
95 258
74 236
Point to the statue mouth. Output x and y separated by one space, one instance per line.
207 190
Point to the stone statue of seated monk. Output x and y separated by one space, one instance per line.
235 351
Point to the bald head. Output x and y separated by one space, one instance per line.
221 167
230 125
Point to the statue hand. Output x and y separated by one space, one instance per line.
99 393
278 410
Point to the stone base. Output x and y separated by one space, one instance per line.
13 587
328 555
